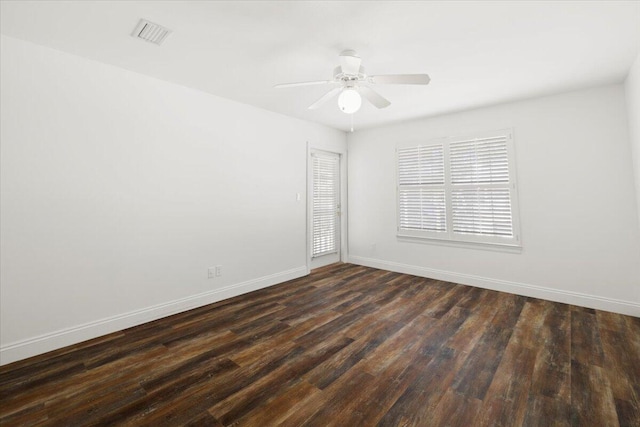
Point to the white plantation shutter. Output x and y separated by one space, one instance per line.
481 200
479 161
482 211
462 189
326 199
422 209
421 165
421 193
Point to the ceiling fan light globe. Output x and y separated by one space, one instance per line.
349 101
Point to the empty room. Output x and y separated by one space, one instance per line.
320 213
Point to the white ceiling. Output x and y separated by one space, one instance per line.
477 53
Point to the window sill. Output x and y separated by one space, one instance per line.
497 247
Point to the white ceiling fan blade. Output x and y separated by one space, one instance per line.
374 97
317 82
349 62
327 96
401 79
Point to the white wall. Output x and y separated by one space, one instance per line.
632 92
580 233
120 190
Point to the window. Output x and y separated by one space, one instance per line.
460 189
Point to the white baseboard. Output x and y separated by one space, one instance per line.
64 337
567 297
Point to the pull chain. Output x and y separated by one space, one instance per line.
351 122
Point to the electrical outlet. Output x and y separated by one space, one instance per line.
211 272
218 270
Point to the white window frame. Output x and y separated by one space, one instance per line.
448 235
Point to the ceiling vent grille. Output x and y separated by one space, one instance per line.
150 32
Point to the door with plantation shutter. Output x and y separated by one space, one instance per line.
325 208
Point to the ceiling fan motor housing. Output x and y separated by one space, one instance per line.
338 75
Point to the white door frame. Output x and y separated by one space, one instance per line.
343 242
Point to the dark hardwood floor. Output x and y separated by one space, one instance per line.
346 346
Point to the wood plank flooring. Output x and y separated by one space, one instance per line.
345 346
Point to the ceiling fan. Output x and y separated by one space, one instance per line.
350 84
